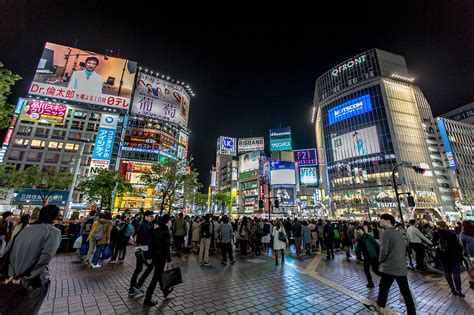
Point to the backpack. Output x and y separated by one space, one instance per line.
336 233
130 230
87 226
205 229
98 232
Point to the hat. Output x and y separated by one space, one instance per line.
148 212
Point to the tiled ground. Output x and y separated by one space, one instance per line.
253 285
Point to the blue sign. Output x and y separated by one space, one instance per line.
104 144
282 165
350 109
19 105
464 115
163 153
227 146
447 145
280 139
35 197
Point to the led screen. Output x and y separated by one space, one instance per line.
356 143
350 109
308 176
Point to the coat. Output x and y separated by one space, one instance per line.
306 234
196 231
277 244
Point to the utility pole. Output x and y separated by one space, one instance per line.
396 192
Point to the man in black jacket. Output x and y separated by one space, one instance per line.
161 254
328 234
142 254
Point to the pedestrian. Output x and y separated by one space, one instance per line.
85 231
6 229
450 254
24 222
215 233
467 240
337 238
205 240
161 256
296 231
115 240
306 238
280 240
102 239
346 241
266 234
288 225
368 248
416 239
179 231
328 235
244 236
127 230
320 229
392 266
226 237
142 254
30 254
313 228
195 236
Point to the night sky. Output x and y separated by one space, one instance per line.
250 78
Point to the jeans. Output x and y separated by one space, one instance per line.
204 250
243 247
98 252
374 262
298 244
91 249
120 248
386 282
159 268
227 249
452 271
138 270
420 255
179 241
329 248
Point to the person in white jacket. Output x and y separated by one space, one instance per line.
87 80
279 245
416 239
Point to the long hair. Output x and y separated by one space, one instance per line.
468 227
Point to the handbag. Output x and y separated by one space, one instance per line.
108 251
77 243
171 278
282 236
84 248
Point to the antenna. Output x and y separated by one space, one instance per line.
75 42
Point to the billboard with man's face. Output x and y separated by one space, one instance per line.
82 76
160 99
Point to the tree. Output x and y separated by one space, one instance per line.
42 181
7 80
166 179
223 198
198 199
99 187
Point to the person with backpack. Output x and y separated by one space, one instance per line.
337 238
244 236
226 236
368 248
100 233
85 231
449 251
205 242
179 231
328 235
126 231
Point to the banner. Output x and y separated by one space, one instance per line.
356 143
161 99
354 107
249 161
227 146
44 112
308 176
305 157
280 139
82 76
251 144
35 197
104 143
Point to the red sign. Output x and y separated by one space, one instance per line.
41 111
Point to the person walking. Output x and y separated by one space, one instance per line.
142 254
346 242
179 231
161 256
104 224
467 240
392 266
31 251
450 254
368 248
195 234
280 240
115 239
328 235
287 225
306 238
6 229
267 228
205 235
296 231
226 236
416 239
313 228
244 235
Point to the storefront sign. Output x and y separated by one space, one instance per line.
35 197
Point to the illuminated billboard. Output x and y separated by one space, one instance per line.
161 99
44 112
249 161
251 144
227 146
308 176
356 143
354 107
286 196
82 76
280 139
305 157
282 173
447 145
11 127
104 142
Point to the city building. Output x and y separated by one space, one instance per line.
463 114
369 118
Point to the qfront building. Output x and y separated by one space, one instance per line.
369 118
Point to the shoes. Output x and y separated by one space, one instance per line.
224 263
370 285
96 266
372 309
165 294
139 289
149 303
276 263
454 292
460 294
232 262
135 293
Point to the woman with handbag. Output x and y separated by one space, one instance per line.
368 247
280 241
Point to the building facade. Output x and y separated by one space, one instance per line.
369 118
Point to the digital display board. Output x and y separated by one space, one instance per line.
249 161
447 145
44 112
282 173
227 146
354 107
308 176
280 139
286 195
356 143
305 157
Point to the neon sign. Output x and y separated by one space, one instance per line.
354 107
351 63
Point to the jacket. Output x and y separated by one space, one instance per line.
160 245
196 231
392 253
226 233
296 229
415 235
453 252
328 232
468 243
179 227
306 234
144 233
367 246
107 230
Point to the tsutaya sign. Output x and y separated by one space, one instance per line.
351 63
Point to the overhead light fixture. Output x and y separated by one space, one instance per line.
402 77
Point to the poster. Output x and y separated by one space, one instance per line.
357 143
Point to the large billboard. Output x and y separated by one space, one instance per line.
44 112
447 145
249 164
282 173
286 196
156 98
308 176
251 144
354 107
305 157
227 146
104 143
356 143
280 139
82 76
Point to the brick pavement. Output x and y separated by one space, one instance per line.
253 285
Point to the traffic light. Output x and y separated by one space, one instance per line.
277 203
411 201
419 170
260 204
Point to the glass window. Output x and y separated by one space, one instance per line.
37 143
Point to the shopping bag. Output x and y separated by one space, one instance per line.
77 243
108 251
171 278
84 248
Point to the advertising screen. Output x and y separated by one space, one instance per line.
306 157
349 109
227 146
251 144
44 112
447 145
161 99
249 161
282 173
280 139
308 176
286 195
356 143
82 76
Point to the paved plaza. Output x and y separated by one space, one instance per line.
304 285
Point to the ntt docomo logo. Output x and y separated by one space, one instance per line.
281 144
348 65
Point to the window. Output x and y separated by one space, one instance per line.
51 158
24 130
37 144
20 143
71 147
16 155
58 134
56 146
41 133
34 156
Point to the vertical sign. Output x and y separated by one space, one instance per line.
447 145
11 128
104 142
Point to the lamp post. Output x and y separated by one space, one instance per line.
396 192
